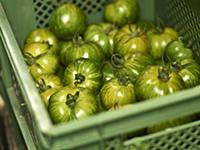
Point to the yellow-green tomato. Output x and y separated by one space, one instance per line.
71 103
117 92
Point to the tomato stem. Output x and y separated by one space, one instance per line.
116 106
42 86
163 74
176 66
107 31
124 80
117 61
71 100
77 39
29 59
79 78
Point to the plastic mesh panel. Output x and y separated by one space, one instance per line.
184 139
188 139
44 8
183 17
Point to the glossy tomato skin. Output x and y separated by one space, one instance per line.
48 84
176 50
35 49
61 109
46 95
66 21
108 72
48 81
42 35
117 92
132 64
121 12
149 85
158 41
83 73
102 34
189 70
46 64
130 39
73 50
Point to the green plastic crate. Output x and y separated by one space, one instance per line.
106 130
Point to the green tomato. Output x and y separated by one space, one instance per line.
71 103
48 84
47 81
102 34
158 41
131 39
132 64
73 50
83 73
169 124
157 81
45 64
35 50
46 95
108 72
42 35
177 50
189 70
67 20
121 12
117 92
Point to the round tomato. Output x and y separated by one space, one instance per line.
159 39
121 12
102 34
71 103
129 39
42 35
83 73
67 20
45 64
35 50
47 81
189 70
177 50
73 50
132 64
117 92
157 81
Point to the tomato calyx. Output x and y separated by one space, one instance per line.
109 30
163 74
177 66
77 40
42 86
136 32
124 80
117 60
71 100
30 59
116 106
79 78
